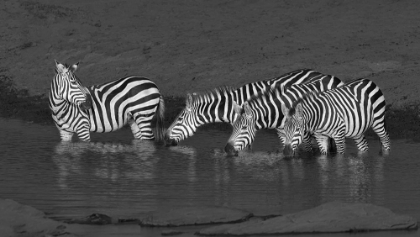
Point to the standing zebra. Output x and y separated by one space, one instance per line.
217 105
345 112
264 111
105 108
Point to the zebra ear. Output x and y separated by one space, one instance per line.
189 100
74 67
60 68
237 108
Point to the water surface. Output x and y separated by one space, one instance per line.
117 176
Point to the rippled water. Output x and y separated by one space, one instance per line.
120 177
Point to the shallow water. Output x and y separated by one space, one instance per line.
122 178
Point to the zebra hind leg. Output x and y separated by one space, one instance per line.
362 144
379 128
144 129
134 129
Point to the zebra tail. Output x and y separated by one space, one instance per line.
159 130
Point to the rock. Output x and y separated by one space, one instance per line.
195 216
18 219
331 217
93 219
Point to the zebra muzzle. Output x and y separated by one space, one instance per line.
288 151
230 150
171 142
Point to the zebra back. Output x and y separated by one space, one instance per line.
297 91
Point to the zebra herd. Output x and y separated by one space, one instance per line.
300 105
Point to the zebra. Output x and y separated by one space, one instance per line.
105 108
264 111
344 112
216 105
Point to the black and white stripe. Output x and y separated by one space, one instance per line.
105 108
344 112
217 105
264 111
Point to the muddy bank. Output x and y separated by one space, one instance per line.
334 217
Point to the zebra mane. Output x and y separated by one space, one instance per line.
216 91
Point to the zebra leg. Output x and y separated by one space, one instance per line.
84 134
340 143
65 136
144 125
383 135
306 142
386 144
362 144
280 135
322 141
134 128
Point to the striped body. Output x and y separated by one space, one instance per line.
108 107
344 112
264 111
217 105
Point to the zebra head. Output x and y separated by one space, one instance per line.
244 129
66 86
184 125
293 130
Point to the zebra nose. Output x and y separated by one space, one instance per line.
230 150
171 142
288 151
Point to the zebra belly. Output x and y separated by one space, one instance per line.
106 122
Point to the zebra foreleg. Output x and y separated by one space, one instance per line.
322 141
65 135
83 132
307 142
340 143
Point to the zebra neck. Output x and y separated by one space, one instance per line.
216 108
268 113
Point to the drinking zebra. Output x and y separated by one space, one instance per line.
264 111
217 105
105 108
345 112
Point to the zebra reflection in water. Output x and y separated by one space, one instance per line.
118 162
112 161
